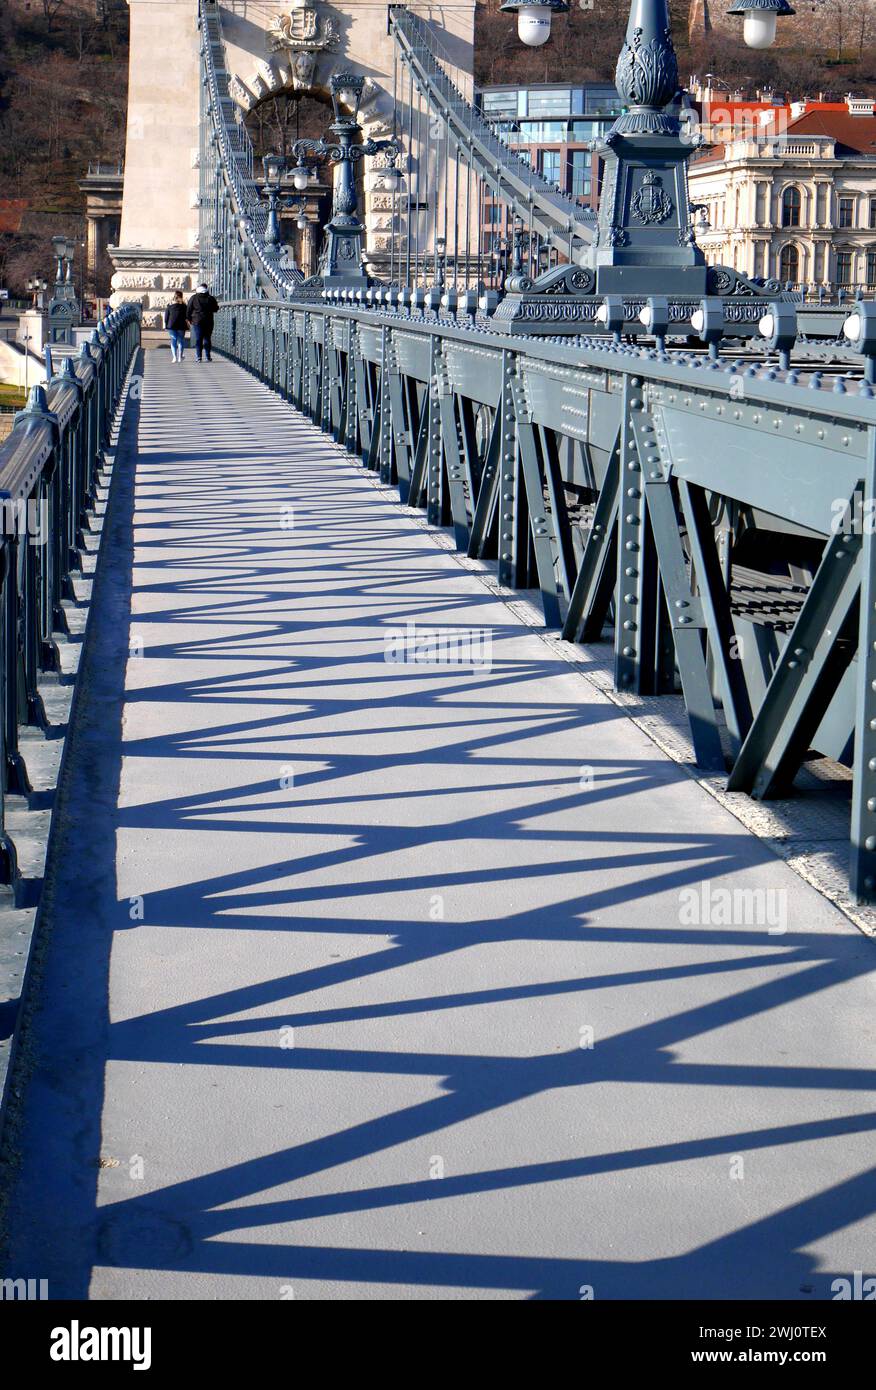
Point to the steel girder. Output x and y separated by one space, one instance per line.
623 486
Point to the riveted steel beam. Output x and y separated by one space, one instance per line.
863 830
483 522
635 594
597 572
455 468
512 529
712 590
435 491
539 514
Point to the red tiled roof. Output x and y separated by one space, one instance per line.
715 103
709 154
853 134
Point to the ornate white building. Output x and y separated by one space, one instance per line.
798 206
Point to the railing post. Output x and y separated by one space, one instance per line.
863 830
510 547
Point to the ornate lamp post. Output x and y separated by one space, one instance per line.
518 241
440 261
274 166
36 288
341 262
63 308
645 240
644 214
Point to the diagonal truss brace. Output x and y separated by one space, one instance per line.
819 648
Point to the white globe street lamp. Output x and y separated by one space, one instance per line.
759 20
534 18
300 176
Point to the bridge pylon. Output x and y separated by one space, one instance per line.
269 50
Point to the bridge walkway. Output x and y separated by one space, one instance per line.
369 978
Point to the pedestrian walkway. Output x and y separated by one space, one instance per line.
379 978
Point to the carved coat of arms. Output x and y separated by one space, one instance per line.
302 27
651 203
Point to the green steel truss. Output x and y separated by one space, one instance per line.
713 519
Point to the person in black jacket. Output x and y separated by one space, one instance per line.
202 307
175 318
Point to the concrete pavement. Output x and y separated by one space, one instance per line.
404 979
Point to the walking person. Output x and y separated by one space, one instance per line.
175 318
201 311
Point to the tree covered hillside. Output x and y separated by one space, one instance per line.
63 94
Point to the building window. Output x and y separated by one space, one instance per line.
871 270
549 166
494 213
873 213
552 103
845 264
542 132
580 175
587 130
791 207
499 103
789 264
846 212
605 99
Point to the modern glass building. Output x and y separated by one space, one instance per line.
552 128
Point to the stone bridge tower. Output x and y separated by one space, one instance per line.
289 45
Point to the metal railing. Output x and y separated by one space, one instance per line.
48 474
711 516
